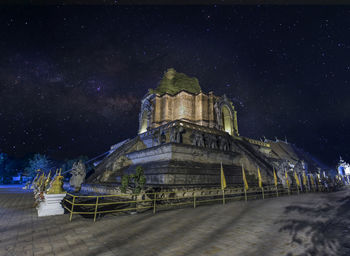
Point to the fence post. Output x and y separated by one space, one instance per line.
154 203
96 209
277 191
245 194
223 196
262 191
71 210
194 200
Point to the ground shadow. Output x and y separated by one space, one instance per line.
322 230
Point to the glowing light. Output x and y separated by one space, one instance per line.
227 120
144 122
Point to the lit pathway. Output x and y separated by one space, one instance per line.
311 224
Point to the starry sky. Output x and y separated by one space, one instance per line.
72 77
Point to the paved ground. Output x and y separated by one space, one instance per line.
309 224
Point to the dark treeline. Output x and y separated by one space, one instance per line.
26 167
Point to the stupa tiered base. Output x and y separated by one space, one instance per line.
51 205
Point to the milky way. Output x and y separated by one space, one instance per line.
71 78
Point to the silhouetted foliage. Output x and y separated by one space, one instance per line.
38 161
68 163
8 168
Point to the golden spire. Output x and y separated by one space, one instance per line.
57 184
47 182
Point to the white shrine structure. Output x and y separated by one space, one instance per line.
343 169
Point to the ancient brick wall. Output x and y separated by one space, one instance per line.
194 108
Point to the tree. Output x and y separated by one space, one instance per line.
68 164
125 183
38 162
8 168
139 180
3 159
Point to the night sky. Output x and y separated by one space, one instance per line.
72 77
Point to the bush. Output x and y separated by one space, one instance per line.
138 178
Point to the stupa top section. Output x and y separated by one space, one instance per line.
174 82
180 98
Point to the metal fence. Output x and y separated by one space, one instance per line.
98 205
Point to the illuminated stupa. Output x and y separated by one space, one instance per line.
185 134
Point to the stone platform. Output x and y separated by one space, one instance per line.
179 164
192 157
